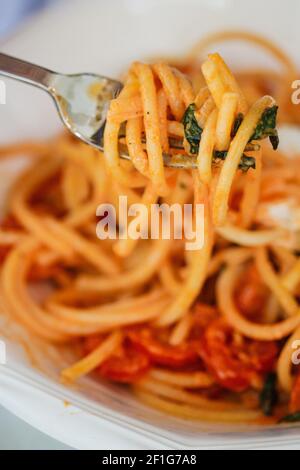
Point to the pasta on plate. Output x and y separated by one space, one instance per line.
205 334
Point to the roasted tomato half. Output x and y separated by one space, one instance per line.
127 365
163 354
295 396
234 364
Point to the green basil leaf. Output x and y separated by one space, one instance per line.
236 125
269 395
267 127
245 163
293 418
192 130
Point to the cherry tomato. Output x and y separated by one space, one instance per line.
260 355
251 294
234 365
164 354
295 396
128 366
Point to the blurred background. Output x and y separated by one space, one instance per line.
13 12
14 433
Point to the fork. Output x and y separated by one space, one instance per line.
82 101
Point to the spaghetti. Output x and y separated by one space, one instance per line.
193 333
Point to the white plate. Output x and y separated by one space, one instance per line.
105 36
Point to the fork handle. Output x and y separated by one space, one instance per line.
25 71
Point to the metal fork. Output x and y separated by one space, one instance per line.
82 101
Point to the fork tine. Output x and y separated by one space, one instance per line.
171 161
